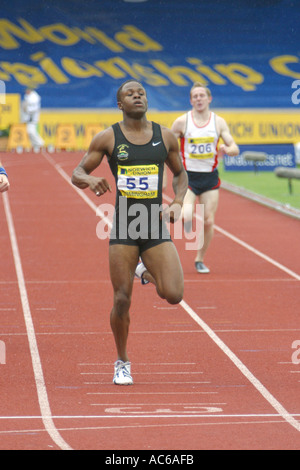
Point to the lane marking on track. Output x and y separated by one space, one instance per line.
143 373
243 369
81 193
149 393
159 425
249 415
46 308
142 364
147 383
145 426
104 281
237 240
153 383
173 332
249 248
259 253
219 229
35 357
236 361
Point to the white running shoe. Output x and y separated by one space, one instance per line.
201 268
140 269
122 374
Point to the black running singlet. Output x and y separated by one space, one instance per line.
138 172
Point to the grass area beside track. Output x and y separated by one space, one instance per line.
264 183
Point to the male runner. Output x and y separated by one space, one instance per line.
136 150
200 131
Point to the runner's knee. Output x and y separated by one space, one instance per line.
172 295
187 212
209 221
174 298
122 303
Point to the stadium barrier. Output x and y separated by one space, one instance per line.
254 157
65 138
289 174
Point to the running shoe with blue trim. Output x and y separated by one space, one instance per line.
139 272
201 268
122 375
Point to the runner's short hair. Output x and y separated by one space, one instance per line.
200 85
123 84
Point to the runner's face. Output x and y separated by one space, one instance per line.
200 99
133 100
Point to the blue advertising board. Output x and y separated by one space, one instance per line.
78 53
276 155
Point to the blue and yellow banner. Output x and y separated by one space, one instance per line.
78 53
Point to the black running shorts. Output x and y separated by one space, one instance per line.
201 182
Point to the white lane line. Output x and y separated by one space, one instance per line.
81 193
250 248
143 373
147 364
202 415
46 308
159 425
219 229
259 253
245 371
147 383
106 281
149 393
183 404
35 357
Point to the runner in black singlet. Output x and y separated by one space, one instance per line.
138 171
136 150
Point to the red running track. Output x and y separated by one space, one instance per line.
218 371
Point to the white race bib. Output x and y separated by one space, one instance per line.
201 147
140 182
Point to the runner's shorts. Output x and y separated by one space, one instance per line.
143 237
200 182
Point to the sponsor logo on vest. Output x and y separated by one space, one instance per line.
122 152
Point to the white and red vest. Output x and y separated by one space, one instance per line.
199 145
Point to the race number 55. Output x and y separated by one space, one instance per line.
140 183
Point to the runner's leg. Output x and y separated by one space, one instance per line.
123 260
